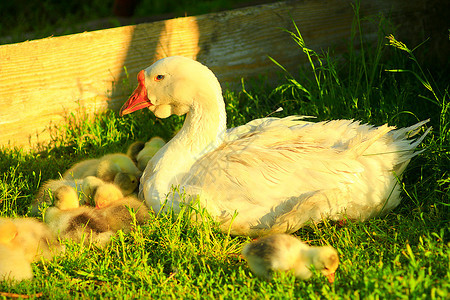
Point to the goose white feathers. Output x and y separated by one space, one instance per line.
285 253
277 174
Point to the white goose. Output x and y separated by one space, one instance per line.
277 174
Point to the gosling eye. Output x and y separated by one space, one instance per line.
159 77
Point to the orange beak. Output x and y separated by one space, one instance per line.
138 100
100 205
330 277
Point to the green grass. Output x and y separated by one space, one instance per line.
403 255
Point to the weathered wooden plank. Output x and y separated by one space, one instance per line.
42 80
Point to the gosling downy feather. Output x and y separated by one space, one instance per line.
30 237
8 231
107 194
23 241
105 167
86 188
150 149
285 253
123 213
68 220
126 182
13 263
134 149
111 164
277 174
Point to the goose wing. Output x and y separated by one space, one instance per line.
261 170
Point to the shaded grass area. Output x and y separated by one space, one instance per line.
404 254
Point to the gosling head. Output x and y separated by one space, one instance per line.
126 182
326 260
107 194
65 198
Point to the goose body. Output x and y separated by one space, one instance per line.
285 253
271 174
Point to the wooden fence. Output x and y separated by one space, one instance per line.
43 80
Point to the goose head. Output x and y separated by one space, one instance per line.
171 86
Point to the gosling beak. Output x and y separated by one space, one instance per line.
138 100
100 204
330 277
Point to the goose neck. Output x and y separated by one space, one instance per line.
204 126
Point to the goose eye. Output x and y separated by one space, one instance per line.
159 77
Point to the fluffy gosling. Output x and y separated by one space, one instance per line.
22 241
123 213
69 220
283 252
105 167
149 150
134 149
86 189
13 264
